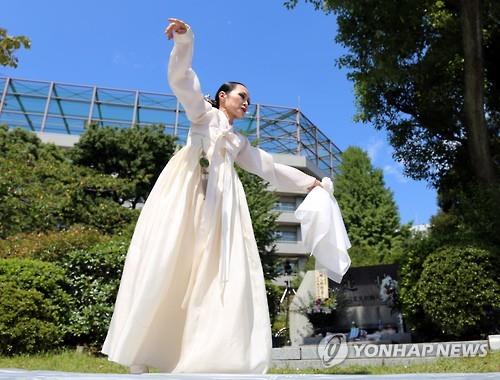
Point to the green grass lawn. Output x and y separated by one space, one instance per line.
71 361
67 361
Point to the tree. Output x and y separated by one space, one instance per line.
41 190
137 154
418 73
369 211
8 45
427 72
260 203
475 123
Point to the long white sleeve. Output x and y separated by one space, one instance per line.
183 80
261 163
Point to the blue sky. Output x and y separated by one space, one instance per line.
285 57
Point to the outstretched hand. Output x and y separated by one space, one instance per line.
177 26
316 183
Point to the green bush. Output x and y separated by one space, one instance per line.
94 277
458 292
51 245
417 322
34 306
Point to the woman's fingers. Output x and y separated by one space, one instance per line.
177 26
169 31
316 183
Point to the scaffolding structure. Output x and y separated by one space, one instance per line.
42 106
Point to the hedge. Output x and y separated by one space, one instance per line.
34 306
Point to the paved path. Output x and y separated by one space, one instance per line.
17 374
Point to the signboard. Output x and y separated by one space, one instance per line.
321 281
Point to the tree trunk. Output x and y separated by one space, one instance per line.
475 123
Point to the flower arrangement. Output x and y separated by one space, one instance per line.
321 312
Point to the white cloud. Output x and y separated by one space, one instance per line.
397 172
374 147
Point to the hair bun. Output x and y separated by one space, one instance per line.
211 101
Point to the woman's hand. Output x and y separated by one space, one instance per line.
177 26
316 183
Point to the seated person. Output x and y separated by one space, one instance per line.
354 333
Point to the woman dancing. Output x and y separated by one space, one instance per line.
192 296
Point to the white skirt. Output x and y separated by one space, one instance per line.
214 331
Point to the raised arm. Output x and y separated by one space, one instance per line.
261 163
181 77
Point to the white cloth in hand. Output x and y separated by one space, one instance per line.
323 230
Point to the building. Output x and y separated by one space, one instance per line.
58 113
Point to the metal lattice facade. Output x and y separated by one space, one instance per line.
41 106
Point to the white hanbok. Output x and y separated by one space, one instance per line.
192 296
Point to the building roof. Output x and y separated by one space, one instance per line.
63 110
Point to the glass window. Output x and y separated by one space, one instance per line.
286 204
286 234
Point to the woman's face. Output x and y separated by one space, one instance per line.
235 103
